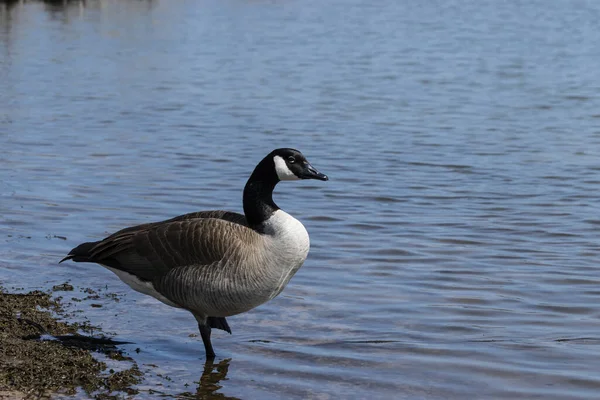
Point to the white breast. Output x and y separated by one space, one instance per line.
288 244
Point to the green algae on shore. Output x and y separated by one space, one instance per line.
32 366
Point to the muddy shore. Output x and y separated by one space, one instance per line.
42 354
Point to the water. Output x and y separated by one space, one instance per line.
455 248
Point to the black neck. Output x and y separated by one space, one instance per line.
258 194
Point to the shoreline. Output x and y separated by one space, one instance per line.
44 353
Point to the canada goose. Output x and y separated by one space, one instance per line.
214 263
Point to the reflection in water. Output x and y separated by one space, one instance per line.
57 4
61 5
212 375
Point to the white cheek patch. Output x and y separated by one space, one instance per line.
283 172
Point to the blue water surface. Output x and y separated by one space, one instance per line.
454 252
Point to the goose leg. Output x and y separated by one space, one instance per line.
205 333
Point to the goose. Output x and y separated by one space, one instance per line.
214 264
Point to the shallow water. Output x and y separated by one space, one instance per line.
455 248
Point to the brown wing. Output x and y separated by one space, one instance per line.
152 250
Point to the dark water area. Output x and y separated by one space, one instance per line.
455 248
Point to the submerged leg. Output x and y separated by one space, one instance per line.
205 333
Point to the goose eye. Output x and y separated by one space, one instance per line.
291 159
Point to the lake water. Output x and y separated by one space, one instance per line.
455 249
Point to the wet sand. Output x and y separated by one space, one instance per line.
41 354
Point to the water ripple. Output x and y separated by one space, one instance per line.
454 250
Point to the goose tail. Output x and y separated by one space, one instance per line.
80 253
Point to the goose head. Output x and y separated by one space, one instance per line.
279 165
291 165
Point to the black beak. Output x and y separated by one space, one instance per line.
310 172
